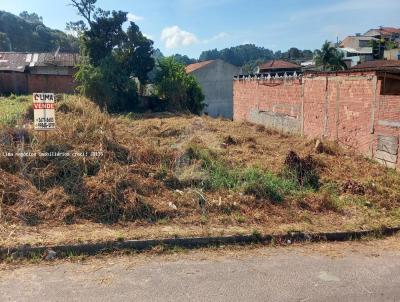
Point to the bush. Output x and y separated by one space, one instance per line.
180 90
302 170
107 85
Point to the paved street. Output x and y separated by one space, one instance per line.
338 272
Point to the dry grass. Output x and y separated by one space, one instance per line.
154 170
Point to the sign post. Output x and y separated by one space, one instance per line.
44 112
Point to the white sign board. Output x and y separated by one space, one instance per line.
44 113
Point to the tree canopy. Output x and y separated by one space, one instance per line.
249 56
111 57
28 33
175 86
329 58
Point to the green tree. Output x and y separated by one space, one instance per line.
112 57
109 85
329 58
390 45
180 90
5 43
33 35
239 55
183 59
33 17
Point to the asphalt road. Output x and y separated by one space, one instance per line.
343 273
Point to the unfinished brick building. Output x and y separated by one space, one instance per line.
359 109
26 73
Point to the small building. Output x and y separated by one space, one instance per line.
26 73
279 67
216 80
392 54
357 49
385 33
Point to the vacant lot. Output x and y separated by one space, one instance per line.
158 175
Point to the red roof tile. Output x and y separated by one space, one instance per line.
389 30
192 67
378 64
278 64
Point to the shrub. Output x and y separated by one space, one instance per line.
107 85
302 170
180 90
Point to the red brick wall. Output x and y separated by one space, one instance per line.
245 96
13 82
275 95
388 110
51 83
24 83
336 107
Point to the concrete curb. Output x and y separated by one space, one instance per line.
189 243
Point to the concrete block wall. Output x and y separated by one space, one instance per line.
348 108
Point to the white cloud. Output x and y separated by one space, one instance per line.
219 36
174 37
134 18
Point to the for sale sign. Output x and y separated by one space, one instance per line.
44 113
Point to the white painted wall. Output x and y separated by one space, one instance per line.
216 81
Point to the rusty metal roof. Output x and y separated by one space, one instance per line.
21 61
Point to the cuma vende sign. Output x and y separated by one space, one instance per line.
44 113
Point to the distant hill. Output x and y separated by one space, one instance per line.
249 56
27 33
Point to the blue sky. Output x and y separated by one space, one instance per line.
190 26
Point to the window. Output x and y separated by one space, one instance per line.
364 43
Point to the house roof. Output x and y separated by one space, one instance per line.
359 50
389 30
378 64
383 31
20 61
193 67
278 64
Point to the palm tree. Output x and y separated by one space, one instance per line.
329 58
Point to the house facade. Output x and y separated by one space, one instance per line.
392 54
357 49
26 73
215 78
385 33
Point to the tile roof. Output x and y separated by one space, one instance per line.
193 67
20 61
378 64
278 64
389 30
